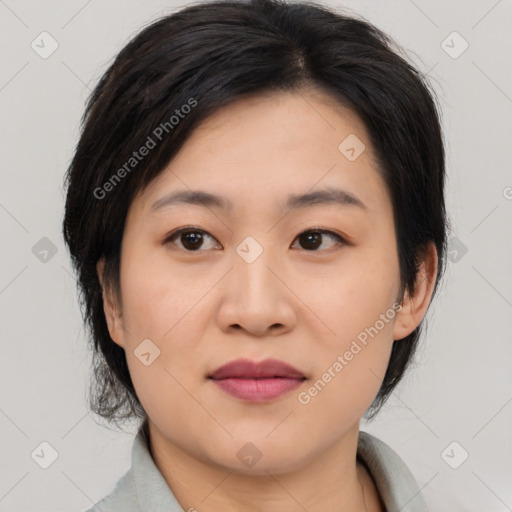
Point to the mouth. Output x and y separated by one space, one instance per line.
257 382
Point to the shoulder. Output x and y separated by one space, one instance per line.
393 479
122 498
142 487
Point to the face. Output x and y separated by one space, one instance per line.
257 276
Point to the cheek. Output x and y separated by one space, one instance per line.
358 305
350 366
159 297
162 304
353 294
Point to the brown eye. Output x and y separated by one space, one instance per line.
194 240
312 239
191 240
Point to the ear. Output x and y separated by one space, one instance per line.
110 307
414 306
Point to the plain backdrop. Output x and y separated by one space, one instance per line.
451 418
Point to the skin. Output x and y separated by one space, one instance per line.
295 303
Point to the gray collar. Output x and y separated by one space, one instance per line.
143 489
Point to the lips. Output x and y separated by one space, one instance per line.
257 382
247 369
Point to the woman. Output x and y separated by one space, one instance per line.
255 210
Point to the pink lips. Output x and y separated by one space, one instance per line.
257 382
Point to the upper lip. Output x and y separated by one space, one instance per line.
245 368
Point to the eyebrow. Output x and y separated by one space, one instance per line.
294 202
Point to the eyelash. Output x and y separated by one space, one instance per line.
191 229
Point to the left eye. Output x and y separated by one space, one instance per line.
313 238
192 240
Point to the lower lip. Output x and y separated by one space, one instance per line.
258 390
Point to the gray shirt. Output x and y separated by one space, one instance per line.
143 488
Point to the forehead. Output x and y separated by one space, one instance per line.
274 145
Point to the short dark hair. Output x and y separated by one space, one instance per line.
206 56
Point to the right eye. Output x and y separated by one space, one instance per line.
191 239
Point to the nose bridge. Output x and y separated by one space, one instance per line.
253 278
255 299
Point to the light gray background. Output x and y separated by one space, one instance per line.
461 386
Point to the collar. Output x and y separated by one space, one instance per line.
143 489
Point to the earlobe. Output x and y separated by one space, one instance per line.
110 307
415 305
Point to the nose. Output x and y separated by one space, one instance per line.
256 299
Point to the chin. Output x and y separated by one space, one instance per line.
259 456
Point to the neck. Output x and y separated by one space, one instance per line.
334 480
